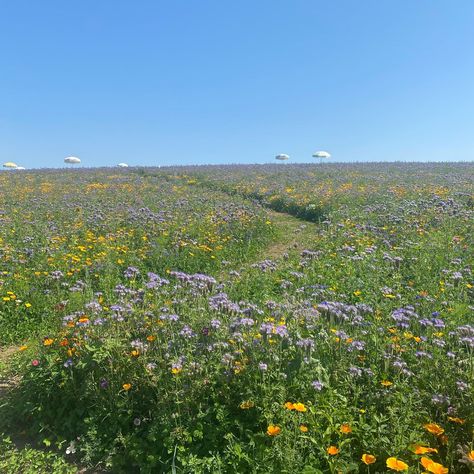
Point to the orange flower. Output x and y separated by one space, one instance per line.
303 428
459 421
433 467
273 430
64 343
127 386
345 428
433 428
150 338
289 406
396 465
368 459
332 450
299 407
417 449
47 341
470 455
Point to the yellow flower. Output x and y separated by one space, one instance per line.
332 450
289 406
246 405
368 459
396 465
470 455
386 383
459 421
273 430
303 428
127 386
23 348
345 428
135 353
299 407
433 467
433 428
47 341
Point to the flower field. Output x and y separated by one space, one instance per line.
234 319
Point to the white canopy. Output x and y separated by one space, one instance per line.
72 160
321 154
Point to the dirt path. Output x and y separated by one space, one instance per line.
291 236
293 233
7 379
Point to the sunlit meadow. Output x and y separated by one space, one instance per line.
234 319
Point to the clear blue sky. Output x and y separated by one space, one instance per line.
217 81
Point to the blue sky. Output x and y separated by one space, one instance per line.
154 82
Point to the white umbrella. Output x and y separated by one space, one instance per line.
21 168
122 165
72 160
321 155
282 157
10 164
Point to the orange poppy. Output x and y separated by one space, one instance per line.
273 430
396 465
459 421
417 449
368 459
345 428
433 467
433 428
299 407
332 450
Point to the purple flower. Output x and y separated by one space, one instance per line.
355 371
131 272
306 343
186 332
317 385
215 323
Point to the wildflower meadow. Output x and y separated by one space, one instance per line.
238 319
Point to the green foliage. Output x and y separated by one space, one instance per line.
30 461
